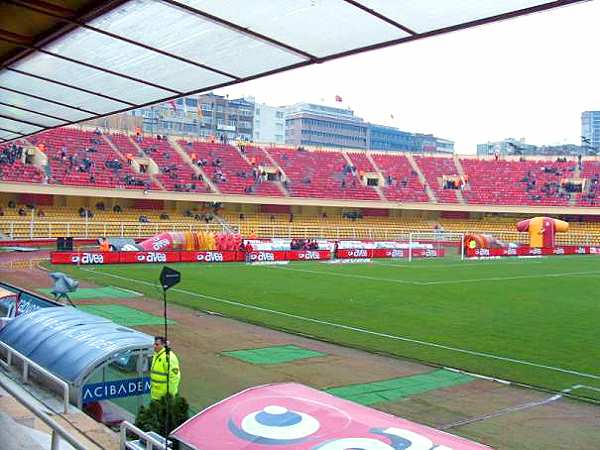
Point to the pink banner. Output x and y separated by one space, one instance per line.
525 250
292 416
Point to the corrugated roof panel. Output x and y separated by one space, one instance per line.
423 16
320 28
153 50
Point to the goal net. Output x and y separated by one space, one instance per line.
440 245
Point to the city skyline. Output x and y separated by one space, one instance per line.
529 77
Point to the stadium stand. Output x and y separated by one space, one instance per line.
228 170
320 174
435 169
174 173
84 157
401 181
533 183
12 167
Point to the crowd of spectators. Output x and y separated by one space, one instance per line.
10 154
304 244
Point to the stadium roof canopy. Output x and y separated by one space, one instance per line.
65 61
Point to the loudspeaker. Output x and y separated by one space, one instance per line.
169 277
64 244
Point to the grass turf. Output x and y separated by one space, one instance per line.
87 293
533 321
398 388
124 315
279 354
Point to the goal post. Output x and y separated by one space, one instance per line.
436 245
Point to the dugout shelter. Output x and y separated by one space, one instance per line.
100 360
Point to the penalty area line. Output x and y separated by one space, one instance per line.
361 330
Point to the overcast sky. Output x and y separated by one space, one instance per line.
529 77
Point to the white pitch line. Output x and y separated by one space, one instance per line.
516 277
503 412
362 330
466 264
430 283
347 275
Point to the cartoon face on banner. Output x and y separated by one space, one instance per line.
292 416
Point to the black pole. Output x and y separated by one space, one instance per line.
168 278
168 368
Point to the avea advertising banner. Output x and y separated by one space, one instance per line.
345 253
525 250
115 389
292 416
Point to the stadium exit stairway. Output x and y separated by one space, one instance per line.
13 436
21 429
422 179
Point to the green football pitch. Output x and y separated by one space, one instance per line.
532 321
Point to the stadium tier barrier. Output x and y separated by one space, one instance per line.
95 257
24 230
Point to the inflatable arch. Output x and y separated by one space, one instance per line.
542 230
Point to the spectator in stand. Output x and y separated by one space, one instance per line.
248 251
104 244
41 213
117 209
22 212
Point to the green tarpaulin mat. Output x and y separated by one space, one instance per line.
273 355
123 315
86 293
397 388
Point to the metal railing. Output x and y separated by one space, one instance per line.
27 363
92 230
58 432
152 443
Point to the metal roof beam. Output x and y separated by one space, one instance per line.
27 122
74 23
381 17
13 132
58 31
243 30
87 111
87 91
34 112
91 66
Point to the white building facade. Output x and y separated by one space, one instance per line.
269 124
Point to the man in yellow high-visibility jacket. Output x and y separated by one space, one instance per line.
159 369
